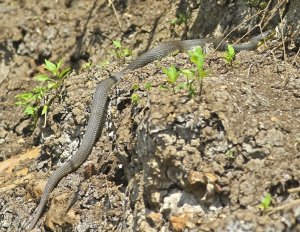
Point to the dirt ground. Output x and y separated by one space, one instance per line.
167 163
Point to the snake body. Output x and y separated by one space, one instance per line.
98 108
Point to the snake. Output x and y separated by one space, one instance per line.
99 105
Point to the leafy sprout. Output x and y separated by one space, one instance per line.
135 98
265 203
172 75
180 19
148 86
135 87
197 57
120 51
32 101
229 54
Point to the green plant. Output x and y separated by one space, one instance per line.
191 75
86 65
148 86
135 87
32 100
120 51
230 154
265 203
172 75
135 98
197 57
229 54
257 3
180 19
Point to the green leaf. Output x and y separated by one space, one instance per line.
50 66
197 56
172 74
24 95
135 87
181 18
30 110
86 65
231 51
229 54
202 73
148 86
266 201
135 98
126 52
39 89
188 73
64 73
45 109
117 43
58 65
41 77
52 85
20 103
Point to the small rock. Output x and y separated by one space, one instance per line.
20 141
23 128
3 133
179 223
155 218
50 33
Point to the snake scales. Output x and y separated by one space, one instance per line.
98 108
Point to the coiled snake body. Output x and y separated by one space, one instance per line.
98 108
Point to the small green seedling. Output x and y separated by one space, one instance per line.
148 86
32 100
135 98
230 154
86 66
197 57
135 87
172 75
180 19
117 44
229 54
120 51
265 203
257 3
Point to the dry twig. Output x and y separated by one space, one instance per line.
286 206
110 3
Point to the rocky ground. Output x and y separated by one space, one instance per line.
168 162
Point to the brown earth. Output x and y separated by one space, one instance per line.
167 163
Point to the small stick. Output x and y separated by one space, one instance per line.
285 206
294 60
294 190
110 3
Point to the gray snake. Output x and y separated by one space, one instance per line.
98 108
